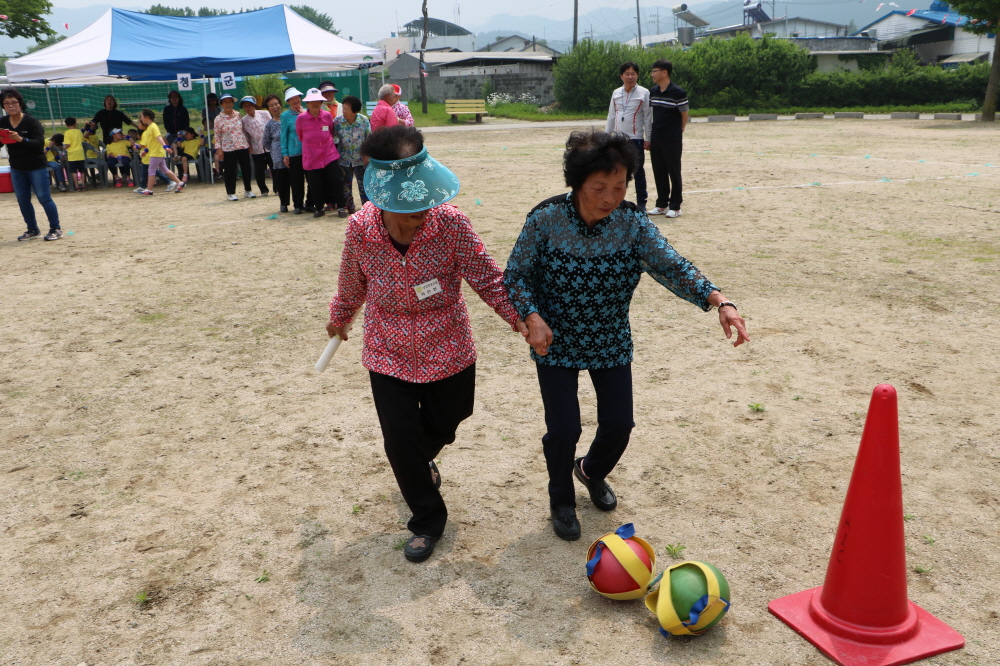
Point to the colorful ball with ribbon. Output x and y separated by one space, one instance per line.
620 565
688 598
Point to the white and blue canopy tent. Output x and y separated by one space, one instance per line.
146 47
133 46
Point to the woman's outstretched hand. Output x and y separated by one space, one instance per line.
730 319
538 335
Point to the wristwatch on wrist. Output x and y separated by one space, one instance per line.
725 303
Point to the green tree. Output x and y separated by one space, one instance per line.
313 16
54 39
24 18
984 17
163 10
264 85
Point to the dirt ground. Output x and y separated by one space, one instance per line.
164 436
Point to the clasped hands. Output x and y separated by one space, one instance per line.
536 333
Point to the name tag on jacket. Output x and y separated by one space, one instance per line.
427 289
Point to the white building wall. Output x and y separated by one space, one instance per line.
967 42
964 42
460 42
804 28
829 62
895 25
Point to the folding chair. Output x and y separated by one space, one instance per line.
99 163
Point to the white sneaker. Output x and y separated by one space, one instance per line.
249 195
139 190
673 213
233 197
172 186
656 211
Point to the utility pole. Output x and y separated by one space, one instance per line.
423 72
638 22
576 16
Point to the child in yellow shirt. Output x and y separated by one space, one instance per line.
187 147
53 155
119 157
154 153
73 138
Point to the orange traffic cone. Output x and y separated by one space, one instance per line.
861 615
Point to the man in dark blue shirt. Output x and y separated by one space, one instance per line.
669 103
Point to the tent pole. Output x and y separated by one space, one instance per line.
48 98
208 130
362 91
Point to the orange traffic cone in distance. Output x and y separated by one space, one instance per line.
861 616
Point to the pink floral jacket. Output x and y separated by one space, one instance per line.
416 324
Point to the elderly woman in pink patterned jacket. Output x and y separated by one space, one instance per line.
384 114
405 255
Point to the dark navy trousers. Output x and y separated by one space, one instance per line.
613 387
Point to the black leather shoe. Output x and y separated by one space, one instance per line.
419 548
319 213
435 474
297 211
600 492
284 209
564 522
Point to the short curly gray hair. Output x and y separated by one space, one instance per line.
386 90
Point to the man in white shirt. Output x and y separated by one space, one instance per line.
629 113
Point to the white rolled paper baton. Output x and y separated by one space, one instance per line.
333 345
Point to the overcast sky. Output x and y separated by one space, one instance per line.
369 20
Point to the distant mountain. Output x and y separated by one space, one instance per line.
620 24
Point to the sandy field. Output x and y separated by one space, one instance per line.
164 437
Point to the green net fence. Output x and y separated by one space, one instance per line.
82 102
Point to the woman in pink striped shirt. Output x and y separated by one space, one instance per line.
319 155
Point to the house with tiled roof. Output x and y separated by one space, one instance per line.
936 34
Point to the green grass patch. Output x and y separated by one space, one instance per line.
435 115
151 317
521 111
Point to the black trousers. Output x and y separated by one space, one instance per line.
613 387
665 157
260 165
641 195
417 421
297 181
229 161
326 186
281 179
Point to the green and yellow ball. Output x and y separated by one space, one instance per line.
689 598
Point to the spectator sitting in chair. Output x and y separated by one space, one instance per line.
53 155
187 147
90 136
119 158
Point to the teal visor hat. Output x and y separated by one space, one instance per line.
411 184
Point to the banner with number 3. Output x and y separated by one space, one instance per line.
228 80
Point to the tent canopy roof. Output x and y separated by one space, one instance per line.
147 47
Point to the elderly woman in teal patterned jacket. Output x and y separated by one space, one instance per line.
571 276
